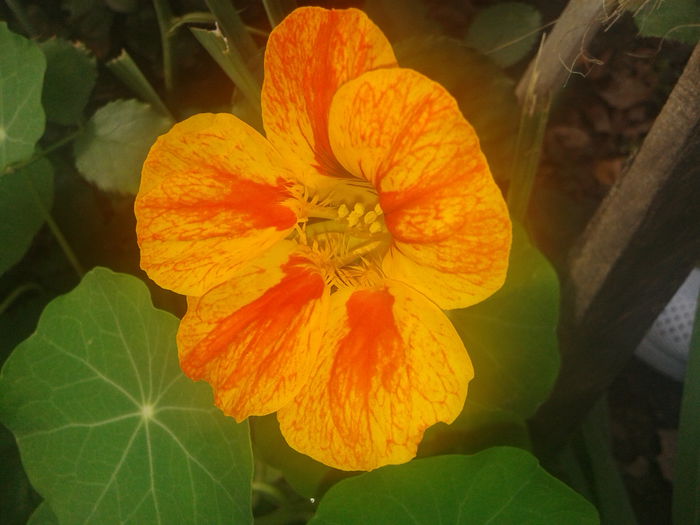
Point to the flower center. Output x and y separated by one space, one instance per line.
348 238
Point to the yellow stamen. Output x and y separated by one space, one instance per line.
370 217
343 211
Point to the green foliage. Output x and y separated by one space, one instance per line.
676 20
686 496
43 515
115 143
109 428
511 337
17 499
25 199
476 428
498 486
70 77
505 32
22 67
129 73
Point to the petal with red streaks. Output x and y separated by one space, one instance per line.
309 55
214 194
405 134
255 338
391 365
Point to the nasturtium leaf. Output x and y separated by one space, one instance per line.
26 196
476 428
115 143
43 515
486 96
505 32
70 76
22 67
511 337
498 486
109 429
676 20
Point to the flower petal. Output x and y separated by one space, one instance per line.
391 366
214 194
255 338
405 134
308 56
460 271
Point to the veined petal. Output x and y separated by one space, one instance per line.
460 271
309 55
255 338
405 134
391 365
214 194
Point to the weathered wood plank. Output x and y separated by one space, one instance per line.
578 23
636 251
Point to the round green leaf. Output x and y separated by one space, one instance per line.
109 429
505 32
115 143
677 20
25 198
511 337
22 67
499 486
70 76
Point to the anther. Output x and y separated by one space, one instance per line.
375 227
378 209
359 208
353 219
343 211
370 217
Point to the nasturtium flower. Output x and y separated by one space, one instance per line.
317 260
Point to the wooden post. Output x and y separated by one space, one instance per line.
636 251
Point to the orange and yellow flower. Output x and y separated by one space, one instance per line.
317 260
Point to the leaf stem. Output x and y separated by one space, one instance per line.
165 17
43 153
16 293
528 149
275 494
21 16
277 10
56 231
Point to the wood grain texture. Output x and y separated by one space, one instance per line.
636 251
